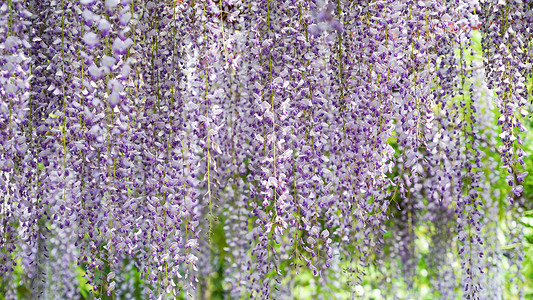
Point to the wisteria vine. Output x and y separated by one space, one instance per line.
259 141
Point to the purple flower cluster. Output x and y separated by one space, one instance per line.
273 137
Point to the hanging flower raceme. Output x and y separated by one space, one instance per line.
15 159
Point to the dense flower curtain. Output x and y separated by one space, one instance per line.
274 138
